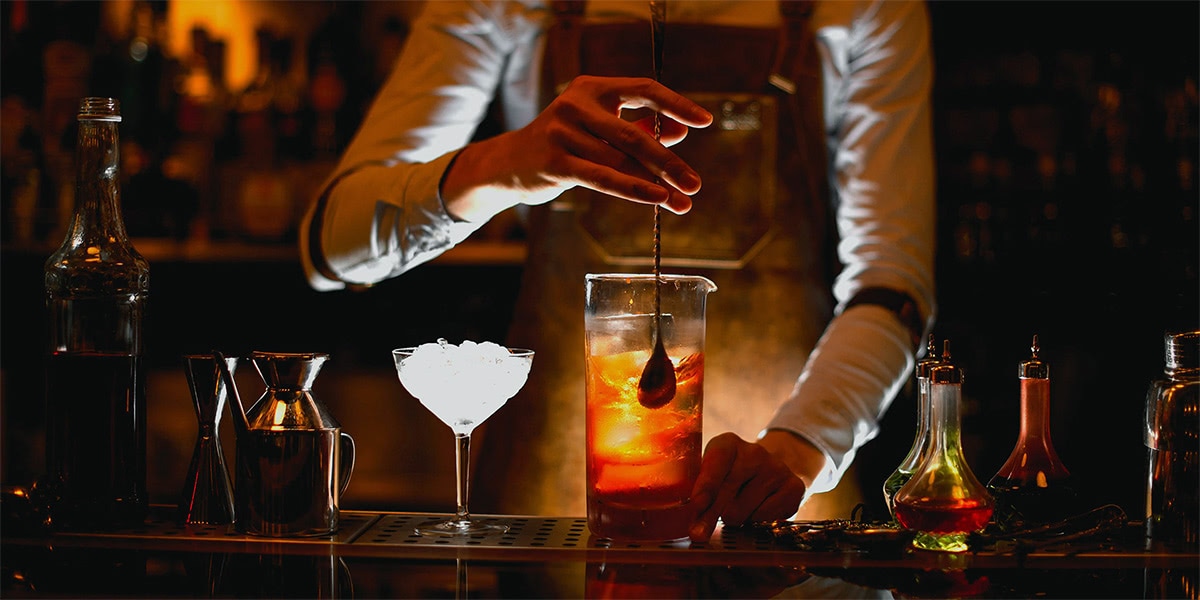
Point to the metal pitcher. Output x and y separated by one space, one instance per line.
293 459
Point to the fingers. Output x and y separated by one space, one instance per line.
627 153
637 92
606 169
741 482
710 492
670 132
651 154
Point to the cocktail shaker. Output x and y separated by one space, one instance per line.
1172 437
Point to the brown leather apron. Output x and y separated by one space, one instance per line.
758 230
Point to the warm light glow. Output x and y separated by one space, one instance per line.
234 22
280 413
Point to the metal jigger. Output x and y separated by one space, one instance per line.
207 497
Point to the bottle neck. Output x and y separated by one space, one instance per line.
923 407
945 420
97 215
1035 410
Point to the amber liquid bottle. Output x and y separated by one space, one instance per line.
96 288
1033 487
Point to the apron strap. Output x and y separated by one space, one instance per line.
563 42
794 44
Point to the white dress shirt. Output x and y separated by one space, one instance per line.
384 214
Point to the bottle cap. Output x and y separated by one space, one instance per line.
930 360
945 371
1033 368
1182 351
99 109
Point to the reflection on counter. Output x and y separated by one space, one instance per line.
378 555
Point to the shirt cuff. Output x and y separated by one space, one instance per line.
850 379
383 220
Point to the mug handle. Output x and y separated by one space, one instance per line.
347 462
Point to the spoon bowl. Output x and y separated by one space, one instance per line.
656 388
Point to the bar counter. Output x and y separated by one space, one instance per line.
377 555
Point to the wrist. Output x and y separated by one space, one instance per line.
468 190
800 455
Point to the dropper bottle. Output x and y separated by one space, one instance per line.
904 471
943 501
1033 487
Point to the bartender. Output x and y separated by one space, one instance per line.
795 161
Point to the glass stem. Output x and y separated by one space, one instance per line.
462 462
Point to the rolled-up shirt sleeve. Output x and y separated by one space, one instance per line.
878 77
380 212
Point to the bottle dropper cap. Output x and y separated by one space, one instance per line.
930 360
1034 368
945 371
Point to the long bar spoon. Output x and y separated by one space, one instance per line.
657 385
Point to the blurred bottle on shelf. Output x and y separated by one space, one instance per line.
200 107
327 91
66 71
339 74
287 102
160 179
258 201
24 180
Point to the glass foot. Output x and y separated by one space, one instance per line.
455 527
941 542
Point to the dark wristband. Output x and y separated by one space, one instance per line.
900 304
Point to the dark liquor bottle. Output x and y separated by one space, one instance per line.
96 291
1034 486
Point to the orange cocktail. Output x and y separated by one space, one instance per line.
642 462
643 457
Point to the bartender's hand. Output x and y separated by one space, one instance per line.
580 139
742 482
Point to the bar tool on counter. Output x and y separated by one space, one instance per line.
207 497
293 459
1172 438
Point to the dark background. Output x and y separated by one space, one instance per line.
1066 139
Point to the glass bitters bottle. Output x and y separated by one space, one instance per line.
943 501
904 471
96 288
1033 486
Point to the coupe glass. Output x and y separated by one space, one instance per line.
462 385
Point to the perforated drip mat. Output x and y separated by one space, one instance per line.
561 533
371 533
812 543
